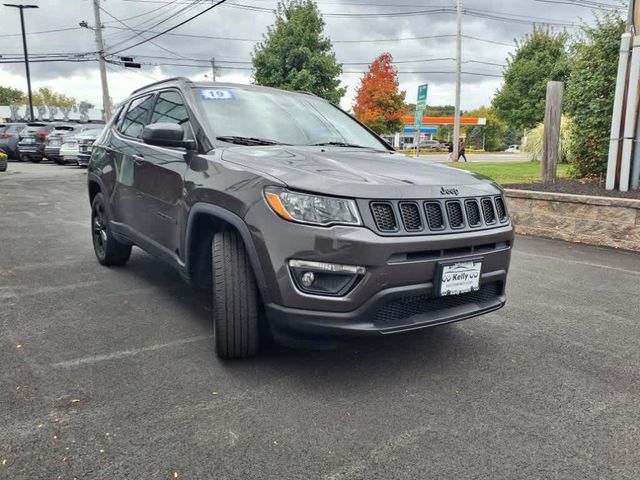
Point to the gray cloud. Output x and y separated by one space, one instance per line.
227 21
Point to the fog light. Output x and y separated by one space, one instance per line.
320 278
308 278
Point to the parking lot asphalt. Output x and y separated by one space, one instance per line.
111 373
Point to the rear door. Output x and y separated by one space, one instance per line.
159 175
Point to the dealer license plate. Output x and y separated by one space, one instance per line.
460 277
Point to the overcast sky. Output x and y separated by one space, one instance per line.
242 22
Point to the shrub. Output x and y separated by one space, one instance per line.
535 140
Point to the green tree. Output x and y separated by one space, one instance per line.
295 55
46 96
510 136
9 95
540 57
494 131
590 93
474 137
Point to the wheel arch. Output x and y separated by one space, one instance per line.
204 221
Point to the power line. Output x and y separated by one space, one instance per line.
220 2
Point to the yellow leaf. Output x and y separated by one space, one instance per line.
19 345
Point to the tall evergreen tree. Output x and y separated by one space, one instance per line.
295 55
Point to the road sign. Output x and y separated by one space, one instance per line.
421 103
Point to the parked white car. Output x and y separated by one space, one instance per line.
513 149
69 150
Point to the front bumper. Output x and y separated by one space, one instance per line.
392 310
83 159
52 153
397 291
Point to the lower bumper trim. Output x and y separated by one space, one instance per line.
393 310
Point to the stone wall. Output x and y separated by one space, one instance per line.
610 222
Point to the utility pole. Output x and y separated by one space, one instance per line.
26 52
106 100
213 68
456 120
552 123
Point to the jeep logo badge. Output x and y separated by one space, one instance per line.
448 191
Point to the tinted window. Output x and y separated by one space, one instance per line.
283 117
170 108
136 118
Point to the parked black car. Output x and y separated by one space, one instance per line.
33 139
303 222
9 137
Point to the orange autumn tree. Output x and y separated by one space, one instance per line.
379 103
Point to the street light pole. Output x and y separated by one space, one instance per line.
26 52
456 122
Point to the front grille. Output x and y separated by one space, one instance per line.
384 217
454 213
501 209
433 216
488 211
435 219
473 213
407 307
411 216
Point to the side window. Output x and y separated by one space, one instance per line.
170 108
136 117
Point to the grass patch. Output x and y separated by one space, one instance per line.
510 172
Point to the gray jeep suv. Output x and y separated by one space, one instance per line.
303 223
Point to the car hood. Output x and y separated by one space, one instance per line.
359 173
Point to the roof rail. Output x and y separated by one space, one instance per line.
172 79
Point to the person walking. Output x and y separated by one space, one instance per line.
461 151
450 149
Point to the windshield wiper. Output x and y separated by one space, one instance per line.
338 144
248 140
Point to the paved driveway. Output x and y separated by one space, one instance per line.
110 373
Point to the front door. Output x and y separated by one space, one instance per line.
159 176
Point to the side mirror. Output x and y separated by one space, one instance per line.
166 135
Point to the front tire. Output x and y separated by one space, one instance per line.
108 250
235 298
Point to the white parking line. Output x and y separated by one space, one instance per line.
128 353
576 262
378 454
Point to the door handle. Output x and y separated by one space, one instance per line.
138 159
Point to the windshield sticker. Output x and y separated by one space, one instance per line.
216 94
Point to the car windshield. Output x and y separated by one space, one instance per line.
265 117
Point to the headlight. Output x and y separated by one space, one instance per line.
312 209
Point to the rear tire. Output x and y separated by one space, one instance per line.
35 159
235 298
108 250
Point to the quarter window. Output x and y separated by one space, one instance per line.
170 108
136 118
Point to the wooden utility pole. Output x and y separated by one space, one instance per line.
552 119
106 100
456 123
